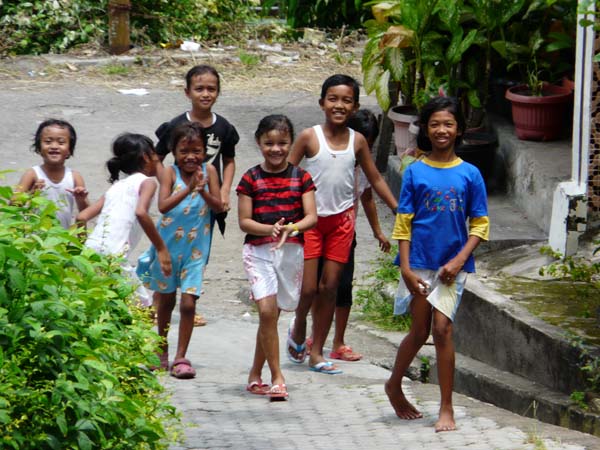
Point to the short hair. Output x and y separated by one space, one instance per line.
434 105
365 122
201 69
340 79
277 122
37 139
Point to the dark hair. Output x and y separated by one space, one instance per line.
365 122
201 69
434 105
189 131
339 79
277 122
128 150
37 139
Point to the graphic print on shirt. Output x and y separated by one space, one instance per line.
213 146
450 200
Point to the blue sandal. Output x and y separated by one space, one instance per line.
300 349
325 367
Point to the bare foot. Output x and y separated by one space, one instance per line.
446 420
403 408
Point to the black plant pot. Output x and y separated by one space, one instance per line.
479 149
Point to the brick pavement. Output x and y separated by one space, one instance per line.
327 411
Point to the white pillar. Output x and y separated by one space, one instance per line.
569 207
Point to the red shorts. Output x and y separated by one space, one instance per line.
331 238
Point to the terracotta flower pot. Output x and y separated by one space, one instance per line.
539 118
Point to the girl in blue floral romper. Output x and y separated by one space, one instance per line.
188 190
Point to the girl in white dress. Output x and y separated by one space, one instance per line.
124 208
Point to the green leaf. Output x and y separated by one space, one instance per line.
370 78
396 63
473 98
61 421
382 90
84 441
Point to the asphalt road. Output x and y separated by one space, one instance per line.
324 411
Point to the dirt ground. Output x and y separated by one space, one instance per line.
255 66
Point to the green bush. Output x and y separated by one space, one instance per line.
74 351
322 13
33 27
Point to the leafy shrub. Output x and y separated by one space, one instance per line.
74 351
42 26
322 13
33 27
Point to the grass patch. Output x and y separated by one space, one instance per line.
376 303
116 69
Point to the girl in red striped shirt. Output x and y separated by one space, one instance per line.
276 204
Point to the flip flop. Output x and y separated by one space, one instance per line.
345 353
278 392
182 369
199 321
257 387
322 367
300 349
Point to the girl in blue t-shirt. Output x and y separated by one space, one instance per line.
441 218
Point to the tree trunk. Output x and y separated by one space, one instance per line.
386 128
118 26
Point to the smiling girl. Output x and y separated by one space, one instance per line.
276 205
189 190
440 195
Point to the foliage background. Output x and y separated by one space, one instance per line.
41 26
74 351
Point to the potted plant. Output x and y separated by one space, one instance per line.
399 60
539 108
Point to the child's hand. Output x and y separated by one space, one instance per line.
164 259
38 185
79 191
280 229
448 271
415 284
198 181
384 244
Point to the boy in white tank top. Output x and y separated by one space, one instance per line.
330 152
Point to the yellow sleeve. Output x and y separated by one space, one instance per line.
480 226
402 227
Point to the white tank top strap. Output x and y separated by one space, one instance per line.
58 193
333 174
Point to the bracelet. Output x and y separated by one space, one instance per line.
295 228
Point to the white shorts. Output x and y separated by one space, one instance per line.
442 297
275 272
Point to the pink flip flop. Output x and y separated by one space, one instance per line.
182 369
257 387
278 392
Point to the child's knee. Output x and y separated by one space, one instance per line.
442 332
187 304
419 336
